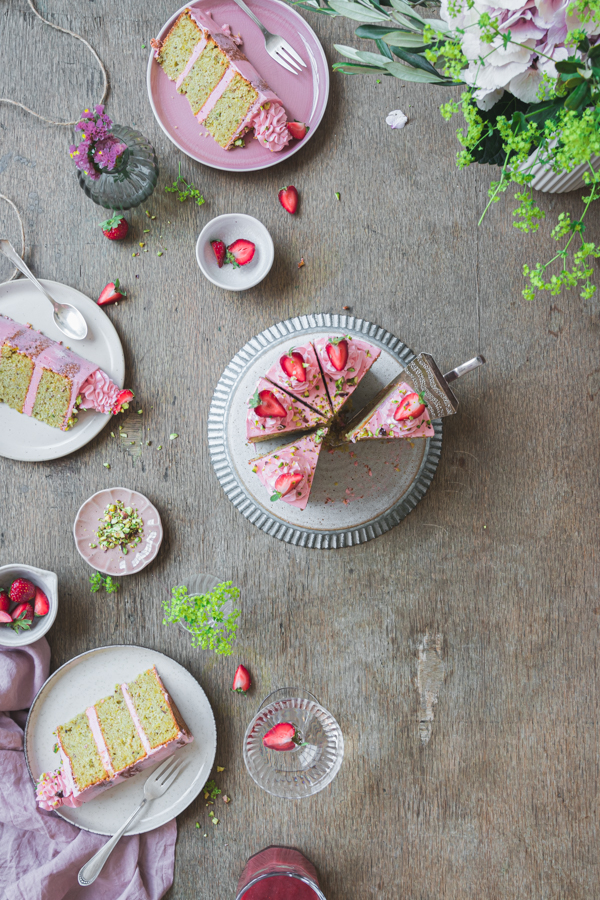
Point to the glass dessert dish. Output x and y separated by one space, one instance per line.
279 873
315 760
132 180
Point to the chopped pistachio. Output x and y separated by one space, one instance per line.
173 436
106 465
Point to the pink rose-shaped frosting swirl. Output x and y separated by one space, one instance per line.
355 364
99 392
53 791
298 464
270 126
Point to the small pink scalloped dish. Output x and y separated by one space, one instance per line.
115 562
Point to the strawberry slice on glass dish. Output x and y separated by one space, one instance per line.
283 736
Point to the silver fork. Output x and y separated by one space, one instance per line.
276 47
155 786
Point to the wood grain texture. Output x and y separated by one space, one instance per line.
501 556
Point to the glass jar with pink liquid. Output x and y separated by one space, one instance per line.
279 873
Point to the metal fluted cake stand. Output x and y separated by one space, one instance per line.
360 490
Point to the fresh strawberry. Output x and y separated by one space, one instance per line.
293 366
337 351
288 197
22 591
220 251
411 407
297 130
286 483
5 617
40 604
123 398
111 293
240 252
266 405
241 680
282 737
4 602
115 228
22 617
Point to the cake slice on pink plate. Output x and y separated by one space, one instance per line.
298 372
396 412
344 361
287 473
272 412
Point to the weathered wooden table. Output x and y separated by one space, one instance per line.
486 595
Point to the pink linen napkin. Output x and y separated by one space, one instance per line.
40 853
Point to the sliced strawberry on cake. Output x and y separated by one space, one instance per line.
297 371
272 412
398 411
287 473
344 360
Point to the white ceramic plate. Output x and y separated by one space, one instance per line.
82 682
22 437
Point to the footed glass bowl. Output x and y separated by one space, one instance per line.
306 770
132 180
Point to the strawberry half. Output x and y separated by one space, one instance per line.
5 617
22 617
21 591
266 405
293 366
241 680
115 228
4 602
288 197
282 737
298 130
111 293
240 252
40 603
411 407
220 250
123 398
286 483
337 351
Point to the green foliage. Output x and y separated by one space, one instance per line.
203 616
184 190
98 581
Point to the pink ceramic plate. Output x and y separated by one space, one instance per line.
304 96
114 562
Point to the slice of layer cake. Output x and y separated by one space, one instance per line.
344 360
272 412
396 412
288 472
225 92
42 378
298 372
135 727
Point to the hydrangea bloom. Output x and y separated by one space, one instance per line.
98 148
538 31
396 119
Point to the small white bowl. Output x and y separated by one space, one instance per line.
229 228
48 582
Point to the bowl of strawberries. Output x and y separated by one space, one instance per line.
28 604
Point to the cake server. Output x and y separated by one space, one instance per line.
155 786
276 47
426 378
68 319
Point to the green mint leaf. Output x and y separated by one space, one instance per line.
255 400
276 496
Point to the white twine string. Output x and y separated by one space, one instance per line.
94 54
10 203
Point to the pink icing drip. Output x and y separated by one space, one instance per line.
270 127
99 740
216 94
136 719
99 392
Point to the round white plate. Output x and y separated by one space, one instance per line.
82 682
22 437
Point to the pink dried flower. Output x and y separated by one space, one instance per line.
98 148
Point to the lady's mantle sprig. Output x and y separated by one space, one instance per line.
98 149
203 616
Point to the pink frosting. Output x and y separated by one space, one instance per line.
236 38
99 392
361 356
300 457
270 126
53 790
298 416
313 390
382 424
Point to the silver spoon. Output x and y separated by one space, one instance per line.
66 317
